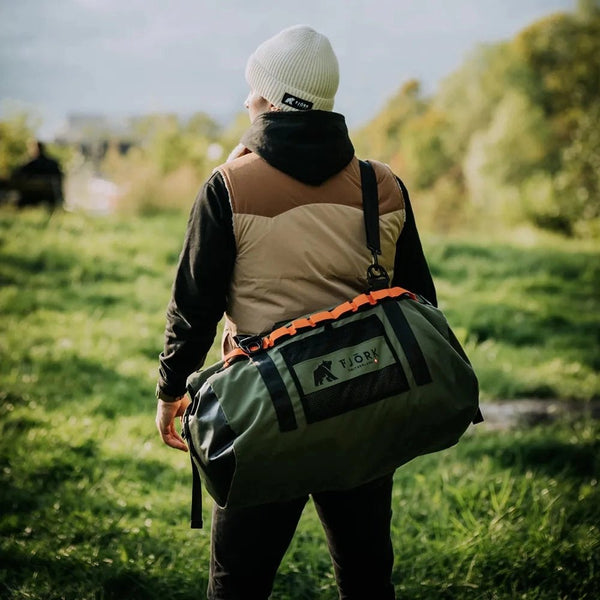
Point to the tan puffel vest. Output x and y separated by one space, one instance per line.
300 248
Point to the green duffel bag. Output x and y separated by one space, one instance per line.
330 401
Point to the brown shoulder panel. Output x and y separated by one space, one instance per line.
245 179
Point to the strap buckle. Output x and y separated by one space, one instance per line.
377 277
250 344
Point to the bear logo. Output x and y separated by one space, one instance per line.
323 373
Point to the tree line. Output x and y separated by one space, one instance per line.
512 136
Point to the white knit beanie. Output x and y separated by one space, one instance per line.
295 70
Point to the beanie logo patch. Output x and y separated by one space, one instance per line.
297 103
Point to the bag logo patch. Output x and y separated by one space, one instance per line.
340 356
297 103
359 359
323 373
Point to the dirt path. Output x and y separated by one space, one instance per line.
504 414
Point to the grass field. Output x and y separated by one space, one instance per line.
93 506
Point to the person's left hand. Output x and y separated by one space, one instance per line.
165 421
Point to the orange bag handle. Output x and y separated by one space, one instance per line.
303 323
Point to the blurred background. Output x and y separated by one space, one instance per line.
487 110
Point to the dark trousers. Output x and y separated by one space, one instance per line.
248 544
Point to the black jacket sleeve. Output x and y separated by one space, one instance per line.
411 270
200 288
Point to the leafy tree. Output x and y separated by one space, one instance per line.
16 133
579 180
424 148
230 137
202 125
513 133
172 159
383 136
469 96
509 150
563 53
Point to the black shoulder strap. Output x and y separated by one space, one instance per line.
377 276
370 202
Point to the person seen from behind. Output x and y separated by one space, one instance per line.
277 232
40 180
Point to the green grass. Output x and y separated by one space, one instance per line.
529 316
93 506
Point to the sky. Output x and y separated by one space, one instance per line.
131 57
